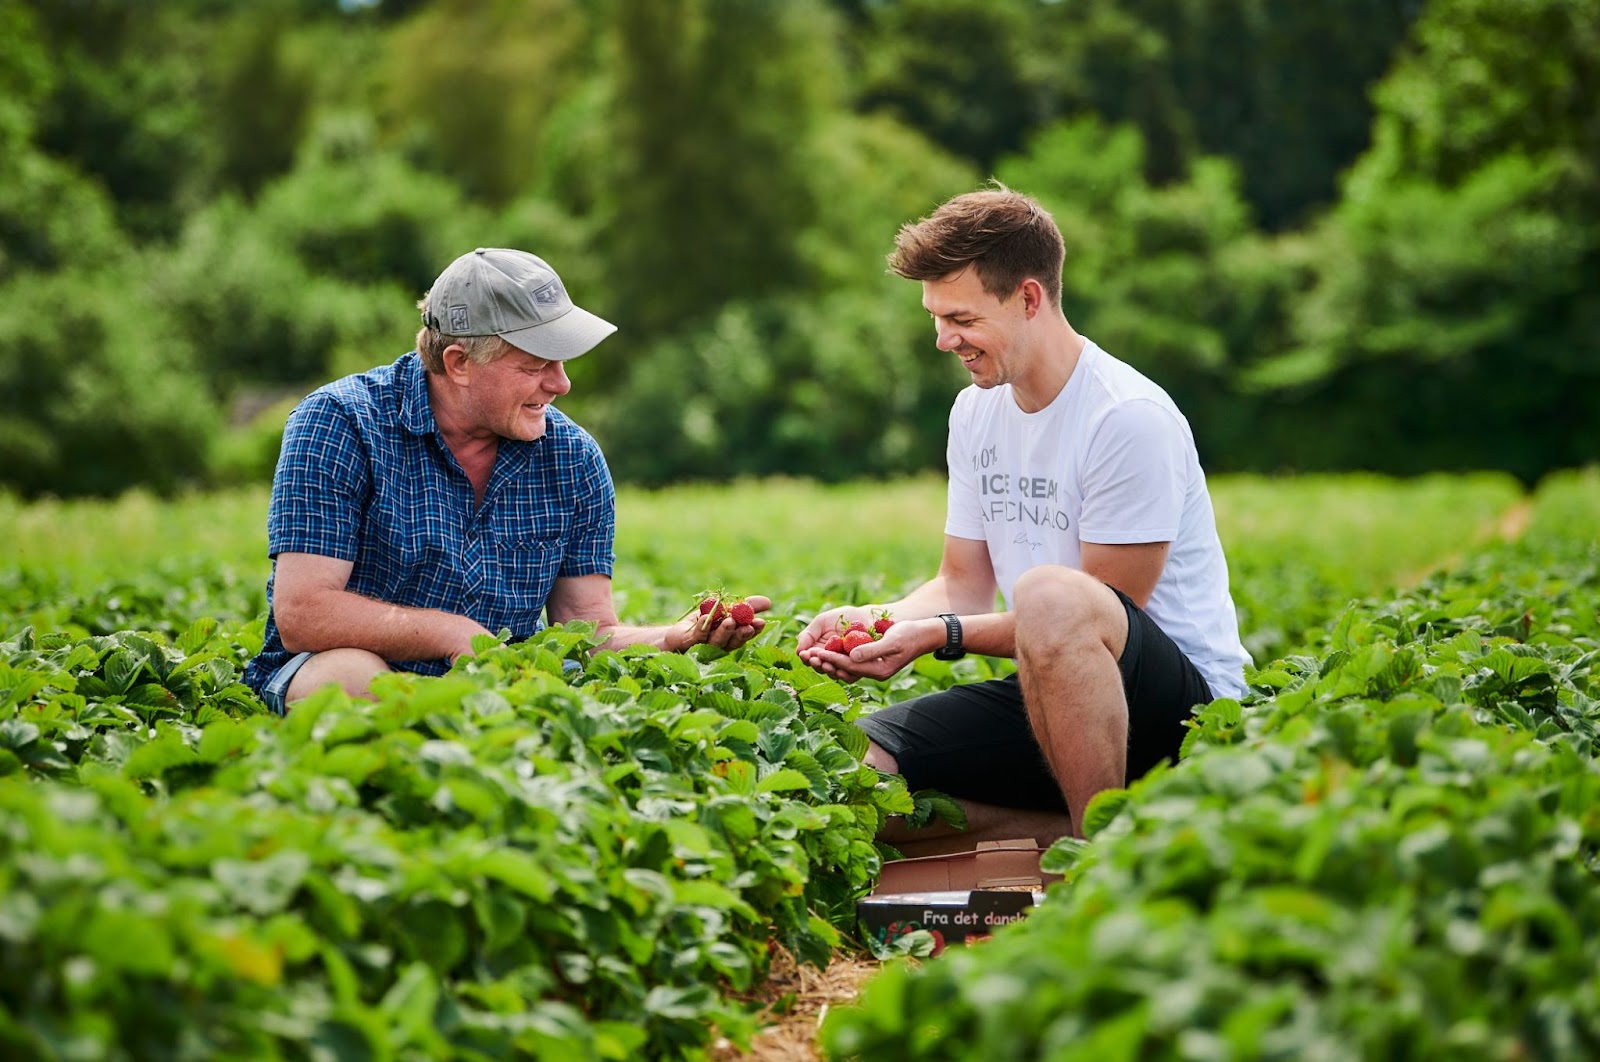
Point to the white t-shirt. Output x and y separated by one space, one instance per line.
1111 461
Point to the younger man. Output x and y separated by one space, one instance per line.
1076 491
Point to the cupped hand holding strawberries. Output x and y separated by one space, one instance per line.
724 620
859 642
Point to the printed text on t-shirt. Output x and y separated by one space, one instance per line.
1022 500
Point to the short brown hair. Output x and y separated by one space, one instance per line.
1006 234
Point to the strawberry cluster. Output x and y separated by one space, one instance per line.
717 605
852 634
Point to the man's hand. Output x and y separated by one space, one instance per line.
727 635
898 646
829 623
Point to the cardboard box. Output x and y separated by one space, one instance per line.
956 897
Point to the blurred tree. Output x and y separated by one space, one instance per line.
477 82
709 184
324 270
261 102
127 105
955 70
1169 278
1495 77
1279 88
1454 319
50 214
1282 89
99 394
836 381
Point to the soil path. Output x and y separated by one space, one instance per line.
798 997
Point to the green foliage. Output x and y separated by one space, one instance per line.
50 214
1464 245
612 850
257 311
588 859
261 102
137 127
715 111
1487 78
51 217
477 84
978 100
287 178
784 384
370 218
248 453
1387 850
101 419
1281 90
1143 263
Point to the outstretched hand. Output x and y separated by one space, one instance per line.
829 623
894 649
729 632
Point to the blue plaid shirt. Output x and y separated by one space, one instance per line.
363 476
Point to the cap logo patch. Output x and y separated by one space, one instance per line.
460 320
549 297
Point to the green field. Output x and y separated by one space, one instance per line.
1296 546
1389 845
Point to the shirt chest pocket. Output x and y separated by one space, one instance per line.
524 570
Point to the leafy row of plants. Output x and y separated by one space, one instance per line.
506 860
519 858
1389 849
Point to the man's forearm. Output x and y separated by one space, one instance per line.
339 619
990 634
942 594
619 635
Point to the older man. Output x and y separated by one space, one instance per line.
422 503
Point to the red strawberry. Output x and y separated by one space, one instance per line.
712 611
743 613
855 638
881 625
834 644
855 626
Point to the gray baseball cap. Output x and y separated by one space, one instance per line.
495 291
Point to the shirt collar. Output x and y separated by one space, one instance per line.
416 415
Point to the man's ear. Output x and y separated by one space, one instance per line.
1032 297
455 363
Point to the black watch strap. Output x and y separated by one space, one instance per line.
952 648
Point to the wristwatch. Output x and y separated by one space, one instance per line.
952 648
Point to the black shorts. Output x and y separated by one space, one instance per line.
974 742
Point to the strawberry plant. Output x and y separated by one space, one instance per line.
1388 849
559 852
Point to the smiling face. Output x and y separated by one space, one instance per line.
985 332
509 396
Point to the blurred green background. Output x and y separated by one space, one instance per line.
1345 234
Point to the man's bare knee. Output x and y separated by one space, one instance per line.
350 669
1058 595
878 757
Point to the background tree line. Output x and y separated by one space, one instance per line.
1344 233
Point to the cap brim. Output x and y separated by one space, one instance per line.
573 333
